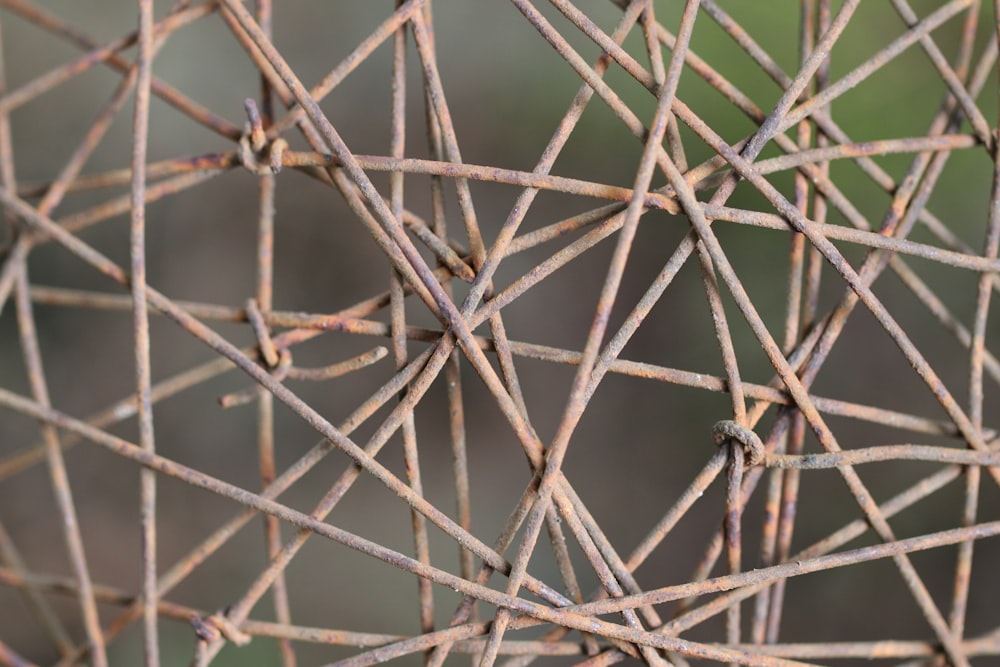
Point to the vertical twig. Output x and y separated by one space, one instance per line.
140 332
397 149
57 471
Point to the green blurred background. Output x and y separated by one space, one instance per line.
640 442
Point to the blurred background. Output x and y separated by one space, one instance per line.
640 442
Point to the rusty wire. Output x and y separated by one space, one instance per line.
598 607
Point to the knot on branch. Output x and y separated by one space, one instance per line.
218 626
277 360
727 431
262 161
259 155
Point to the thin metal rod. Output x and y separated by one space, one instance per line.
140 333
